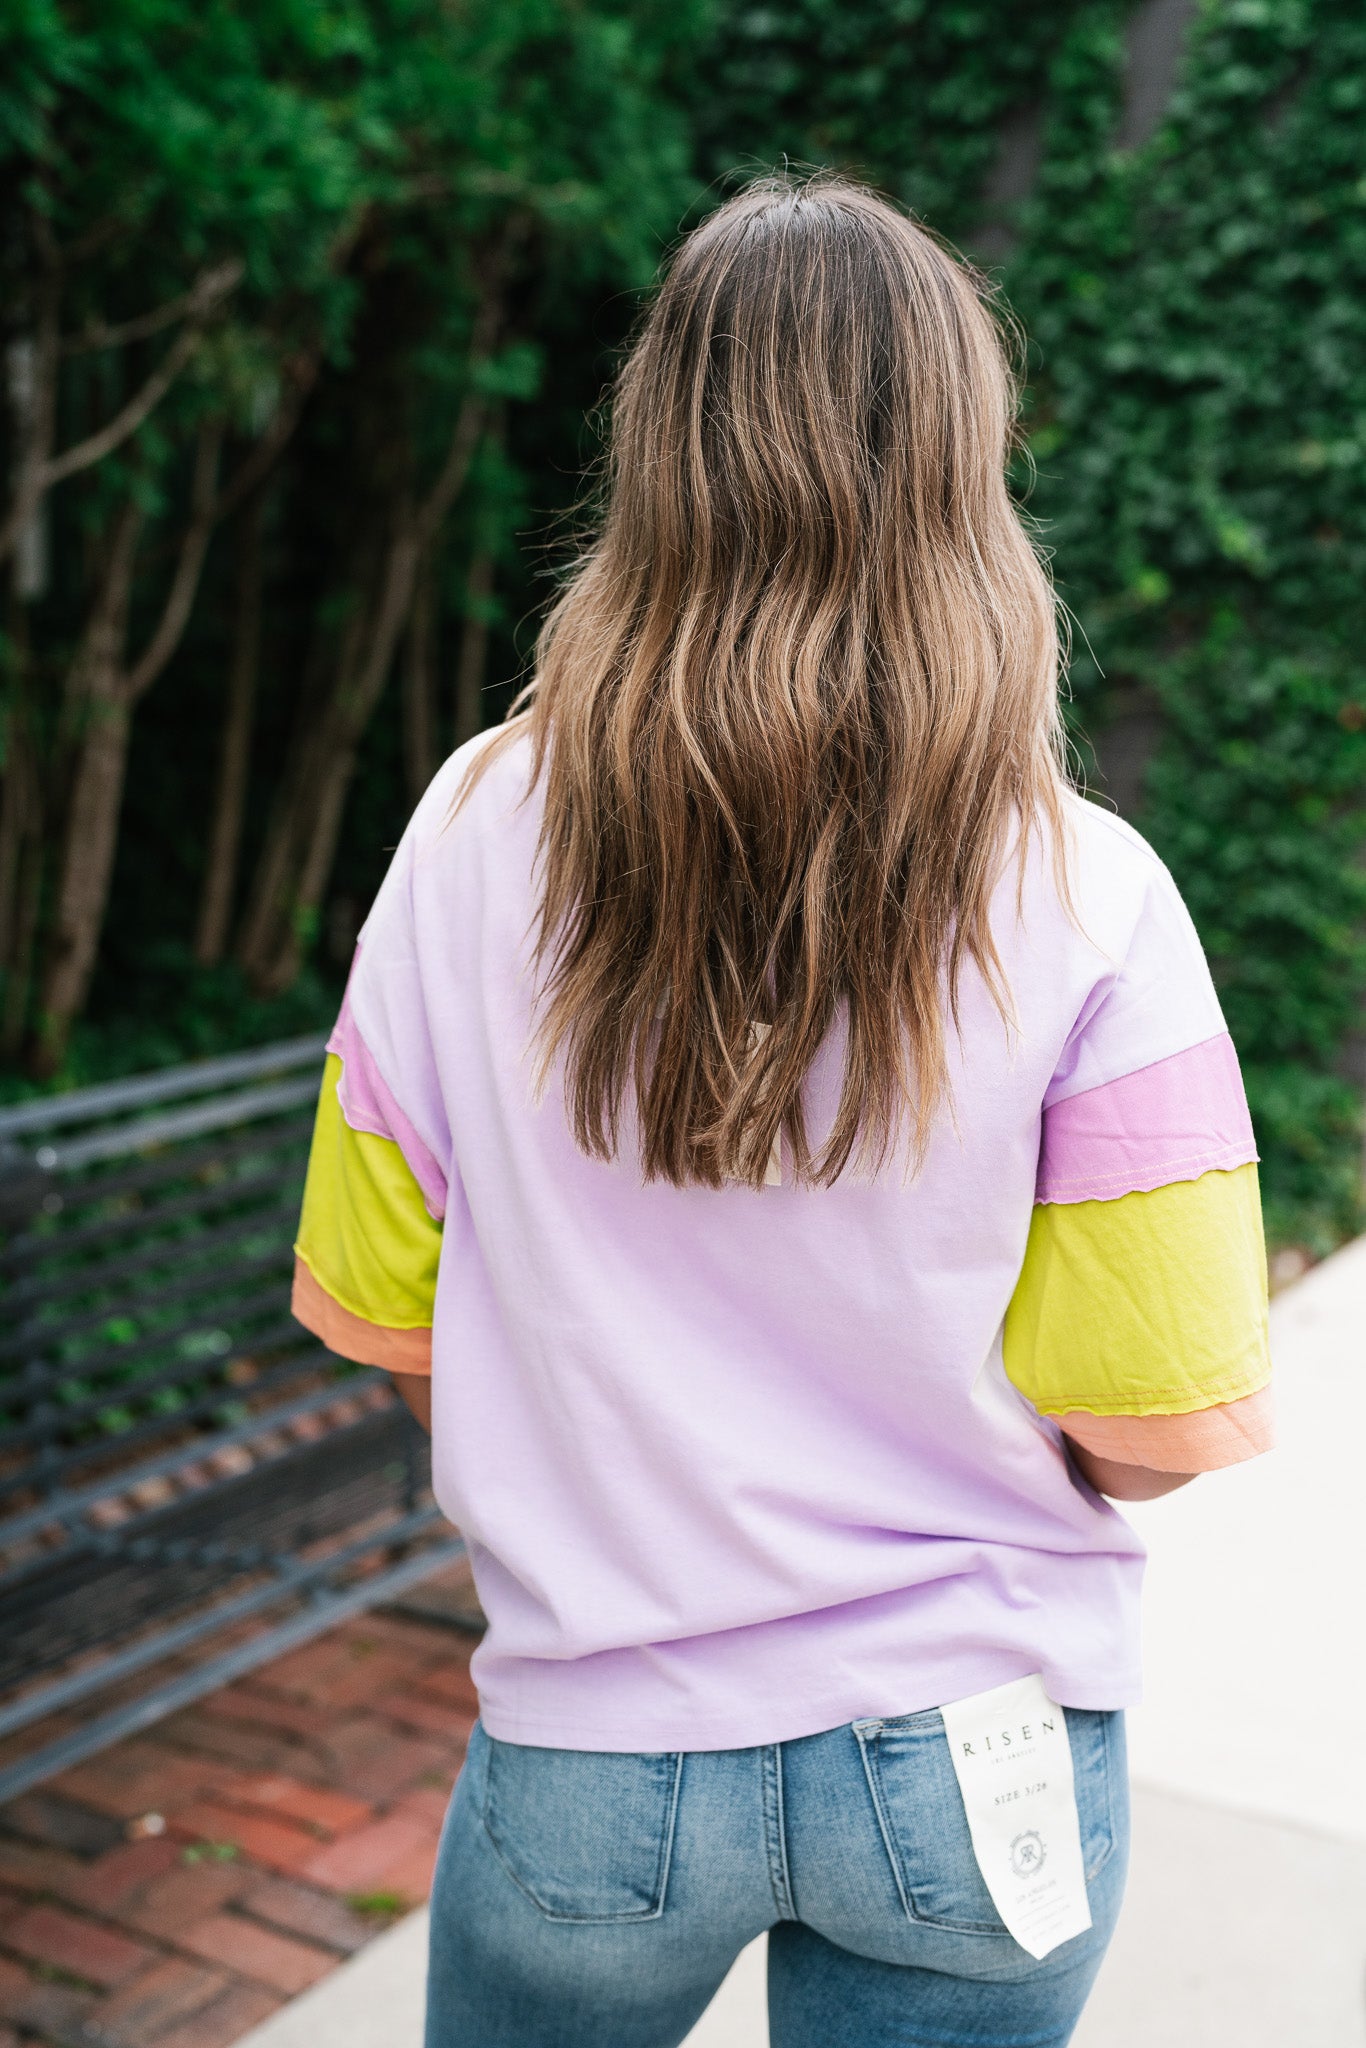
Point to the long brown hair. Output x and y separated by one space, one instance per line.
797 701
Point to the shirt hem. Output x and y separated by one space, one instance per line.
403 1348
1057 1191
1214 1395
641 1736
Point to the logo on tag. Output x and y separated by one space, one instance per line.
1013 1763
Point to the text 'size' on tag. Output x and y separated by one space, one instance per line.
1014 1768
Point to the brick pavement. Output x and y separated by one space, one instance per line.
173 1891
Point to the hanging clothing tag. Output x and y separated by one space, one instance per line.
1014 1766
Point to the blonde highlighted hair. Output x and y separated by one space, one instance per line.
798 703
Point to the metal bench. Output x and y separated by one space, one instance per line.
189 1484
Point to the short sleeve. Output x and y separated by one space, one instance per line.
1139 1320
375 1198
365 1262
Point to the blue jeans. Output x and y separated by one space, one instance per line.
596 1900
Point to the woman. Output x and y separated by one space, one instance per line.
789 1147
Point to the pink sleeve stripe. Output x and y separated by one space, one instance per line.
367 1103
351 1336
1174 1120
1205 1441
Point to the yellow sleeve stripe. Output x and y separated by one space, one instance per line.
1154 1304
365 1235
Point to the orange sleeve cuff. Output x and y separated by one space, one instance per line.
351 1336
1202 1442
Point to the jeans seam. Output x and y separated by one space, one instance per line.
875 1794
1096 1868
775 1832
666 1847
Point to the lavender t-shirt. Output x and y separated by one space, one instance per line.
736 1466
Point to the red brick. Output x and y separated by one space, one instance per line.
115 1876
428 1717
185 1895
411 1875
55 1822
438 1598
377 1764
38 1871
241 2008
261 1710
309 1672
168 1993
135 1778
452 1682
232 1748
276 1960
275 1843
426 1803
55 2011
341 1674
358 1862
311 1806
411 1635
366 1635
317 1916
14 1982
48 1934
110 1786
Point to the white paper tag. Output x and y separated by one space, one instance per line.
1014 1766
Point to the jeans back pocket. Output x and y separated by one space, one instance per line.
586 1834
925 1827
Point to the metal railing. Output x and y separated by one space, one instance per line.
189 1484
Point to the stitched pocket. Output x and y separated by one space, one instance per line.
586 1834
925 1827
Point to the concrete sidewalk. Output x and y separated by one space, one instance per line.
1245 1925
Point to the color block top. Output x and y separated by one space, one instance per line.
738 1465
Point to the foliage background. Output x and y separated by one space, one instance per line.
443 218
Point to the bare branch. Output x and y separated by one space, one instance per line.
185 582
301 374
209 288
96 446
212 286
417 532
131 330
469 424
36 410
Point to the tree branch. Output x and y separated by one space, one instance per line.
41 479
416 534
469 424
210 287
131 330
301 375
185 582
36 414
